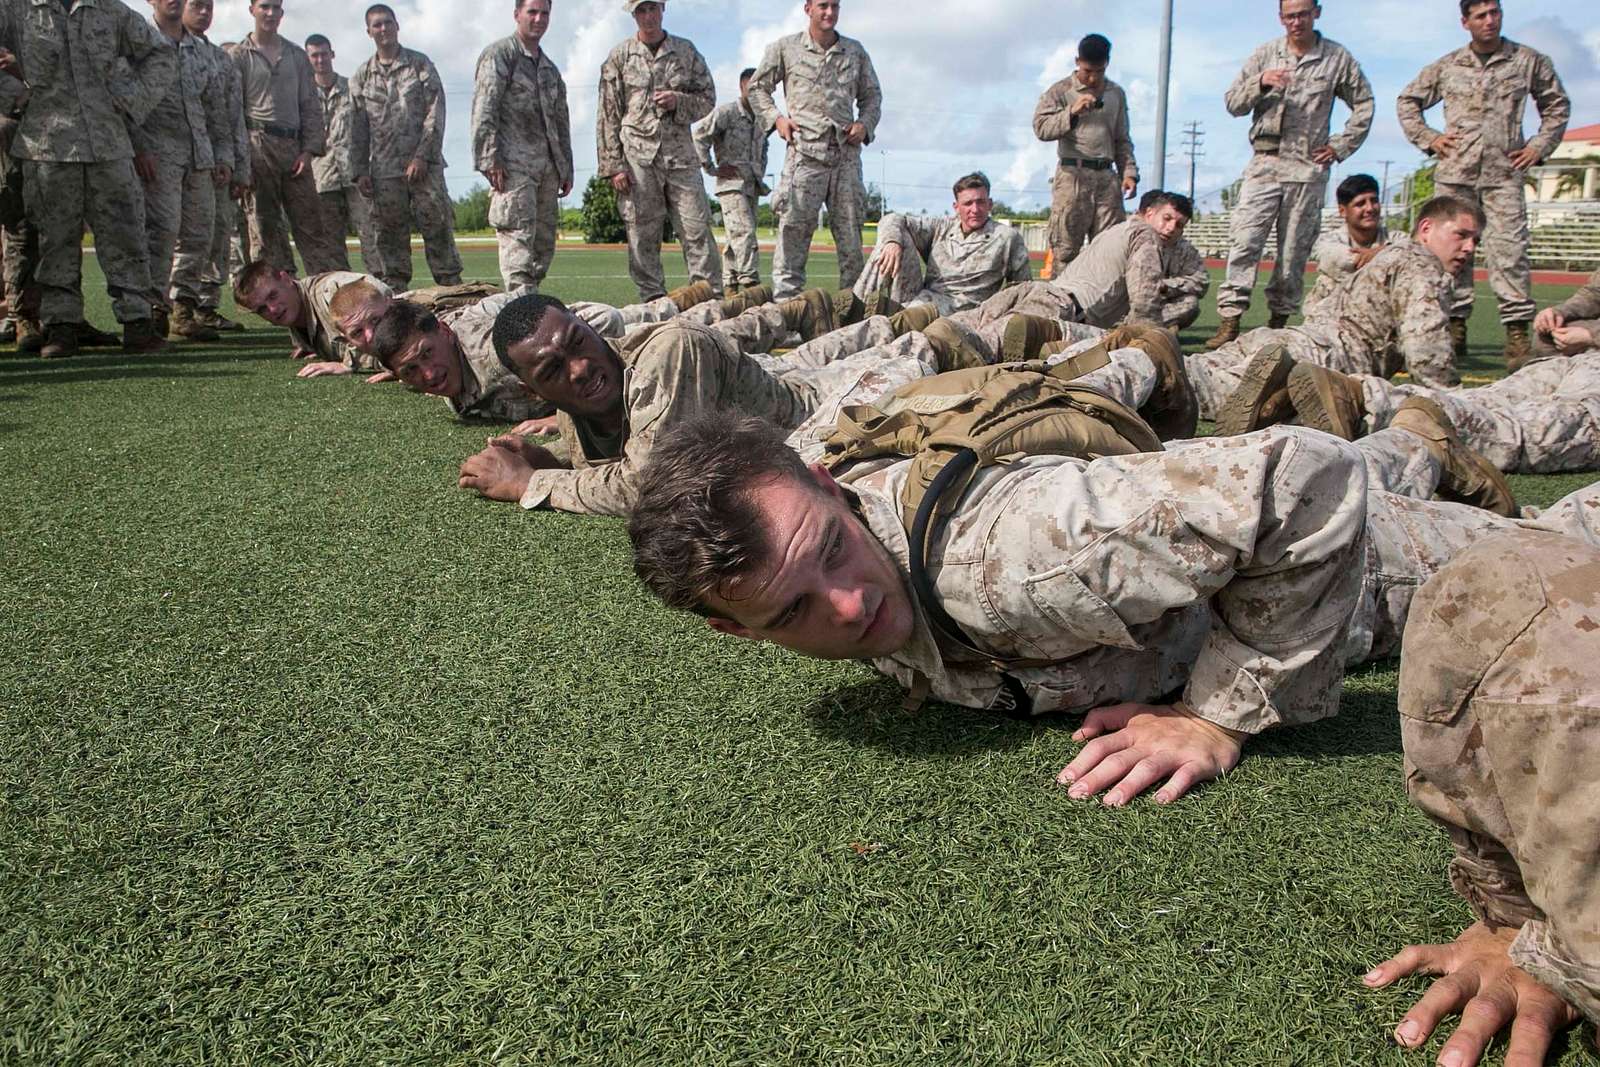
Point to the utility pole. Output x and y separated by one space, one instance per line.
1383 190
1163 83
1193 140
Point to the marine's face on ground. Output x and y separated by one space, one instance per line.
383 29
277 300
972 208
1167 221
1361 214
431 363
359 326
268 14
533 18
1482 21
566 363
829 589
1298 18
321 57
824 15
1453 241
197 15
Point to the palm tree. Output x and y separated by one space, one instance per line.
1572 175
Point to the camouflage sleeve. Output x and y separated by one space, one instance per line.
768 76
313 128
152 66
360 125
561 119
219 123
1356 91
489 85
698 95
241 132
1555 108
430 149
1541 951
1188 276
708 135
1019 268
869 97
1246 91
1051 122
1417 300
1333 255
1143 275
1414 100
1123 150
613 108
918 231
1585 303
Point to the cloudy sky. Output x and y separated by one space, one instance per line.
960 79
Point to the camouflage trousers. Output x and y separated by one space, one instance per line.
1180 312
275 194
1505 250
398 206
1083 202
60 199
1215 375
1500 719
655 194
214 272
21 260
1544 419
862 378
907 287
741 262
180 211
806 186
347 211
1296 209
524 218
761 329
1543 345
983 327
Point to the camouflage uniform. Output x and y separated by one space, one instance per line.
1086 196
1580 309
284 116
1335 257
1393 319
654 149
398 117
1246 572
21 254
1281 184
212 271
825 90
962 269
520 122
1499 707
188 133
1184 280
1118 276
92 72
323 334
488 389
732 136
1483 103
335 174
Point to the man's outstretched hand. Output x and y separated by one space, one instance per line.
1131 747
1488 990
502 471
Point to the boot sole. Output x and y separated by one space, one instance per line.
1267 373
1318 409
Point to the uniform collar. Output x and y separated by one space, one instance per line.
1466 57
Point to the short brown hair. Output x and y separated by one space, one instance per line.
695 528
252 275
976 180
350 298
395 331
1445 208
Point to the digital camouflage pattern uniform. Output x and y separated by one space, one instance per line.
1582 308
322 334
733 137
1499 709
1246 572
520 123
1335 257
1184 280
21 253
1393 319
335 173
1483 106
188 133
1282 185
93 71
212 271
398 116
1094 153
655 149
284 116
488 389
942 266
826 90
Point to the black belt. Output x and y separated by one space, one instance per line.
291 132
1087 164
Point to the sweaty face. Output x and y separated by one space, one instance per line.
566 363
276 300
1483 23
1453 241
431 363
829 589
1167 221
268 14
1091 75
824 15
321 57
1362 213
197 16
972 208
533 18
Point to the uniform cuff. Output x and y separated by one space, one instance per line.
1225 694
540 485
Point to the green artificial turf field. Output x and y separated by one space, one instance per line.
308 755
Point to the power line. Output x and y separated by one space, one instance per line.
1193 140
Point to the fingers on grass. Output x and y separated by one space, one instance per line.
1092 754
1445 997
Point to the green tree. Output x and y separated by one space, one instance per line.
472 210
602 220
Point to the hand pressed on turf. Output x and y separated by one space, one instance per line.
1131 747
1488 990
321 368
502 471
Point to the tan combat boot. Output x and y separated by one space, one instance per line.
951 347
811 314
60 341
881 303
1025 335
1173 410
1262 396
217 321
140 335
1277 322
1468 477
160 320
187 325
1458 340
30 335
1519 346
914 318
848 308
1227 330
753 296
1327 400
687 296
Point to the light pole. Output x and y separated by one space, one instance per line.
1163 83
